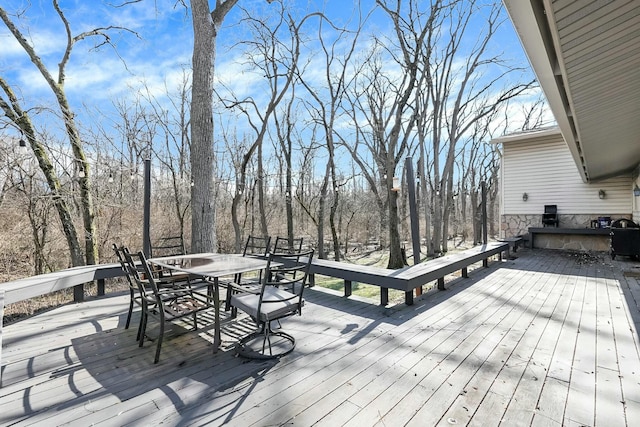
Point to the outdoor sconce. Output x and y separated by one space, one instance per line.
602 194
525 197
396 184
636 191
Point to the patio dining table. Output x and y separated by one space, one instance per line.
211 267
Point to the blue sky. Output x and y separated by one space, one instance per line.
157 54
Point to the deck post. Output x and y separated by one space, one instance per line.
465 273
100 287
78 293
347 288
384 296
413 211
484 211
146 216
413 215
441 284
408 298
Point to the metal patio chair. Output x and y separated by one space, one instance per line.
254 246
273 303
282 245
137 296
171 303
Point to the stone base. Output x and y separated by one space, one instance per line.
517 225
572 242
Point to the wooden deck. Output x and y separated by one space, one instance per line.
546 339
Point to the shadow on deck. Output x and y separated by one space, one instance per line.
527 341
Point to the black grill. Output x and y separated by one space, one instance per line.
625 238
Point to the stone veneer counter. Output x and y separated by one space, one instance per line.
580 239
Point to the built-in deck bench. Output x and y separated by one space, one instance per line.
76 277
514 242
29 287
409 278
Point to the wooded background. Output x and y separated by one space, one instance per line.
311 150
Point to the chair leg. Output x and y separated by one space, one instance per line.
140 327
143 326
126 325
159 345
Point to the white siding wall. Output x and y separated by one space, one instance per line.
543 168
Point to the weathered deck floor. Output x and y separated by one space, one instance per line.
546 339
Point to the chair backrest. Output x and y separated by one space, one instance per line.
168 246
257 246
551 209
293 273
141 275
120 255
282 245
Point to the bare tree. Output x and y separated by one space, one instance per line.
387 99
206 25
277 61
286 133
462 96
173 153
20 117
325 110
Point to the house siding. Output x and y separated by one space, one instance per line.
543 167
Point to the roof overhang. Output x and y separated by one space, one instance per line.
586 56
527 136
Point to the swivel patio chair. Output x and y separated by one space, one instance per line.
272 304
171 304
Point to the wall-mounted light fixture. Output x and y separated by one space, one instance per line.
636 191
602 194
525 197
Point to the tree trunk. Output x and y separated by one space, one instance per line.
322 208
395 251
203 215
261 197
332 224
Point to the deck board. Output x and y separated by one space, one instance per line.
543 339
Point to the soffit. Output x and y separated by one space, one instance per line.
586 55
